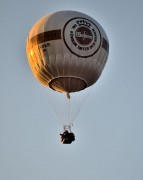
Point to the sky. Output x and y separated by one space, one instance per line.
109 127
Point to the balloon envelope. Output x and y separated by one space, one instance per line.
67 51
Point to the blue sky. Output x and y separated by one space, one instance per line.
109 135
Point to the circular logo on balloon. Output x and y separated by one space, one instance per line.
82 37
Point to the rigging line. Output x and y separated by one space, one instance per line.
67 101
80 97
40 87
80 100
44 94
69 109
85 96
65 109
58 111
64 106
64 85
76 105
73 105
59 107
76 94
69 71
51 95
69 86
55 107
37 66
